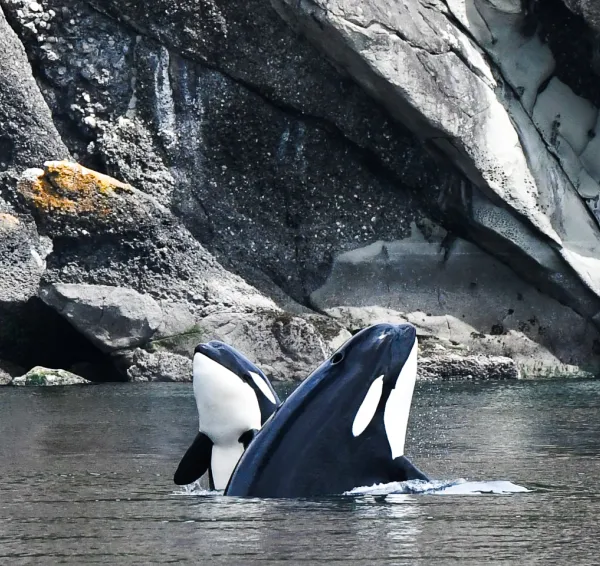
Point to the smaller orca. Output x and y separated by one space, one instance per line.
234 399
344 427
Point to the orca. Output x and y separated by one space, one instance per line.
343 427
234 399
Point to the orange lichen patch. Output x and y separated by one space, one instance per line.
71 188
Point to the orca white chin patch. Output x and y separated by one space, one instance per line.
227 405
367 409
262 385
223 462
397 407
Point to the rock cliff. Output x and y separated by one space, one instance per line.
280 173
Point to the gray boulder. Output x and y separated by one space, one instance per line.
108 233
22 258
9 370
463 295
159 366
38 376
22 262
284 346
112 318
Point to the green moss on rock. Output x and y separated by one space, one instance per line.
39 376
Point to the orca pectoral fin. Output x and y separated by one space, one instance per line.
404 470
248 437
195 461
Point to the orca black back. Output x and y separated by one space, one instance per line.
333 433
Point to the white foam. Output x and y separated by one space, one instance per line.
262 385
367 408
440 487
196 489
397 408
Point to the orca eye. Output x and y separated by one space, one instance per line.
337 358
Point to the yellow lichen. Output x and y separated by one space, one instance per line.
71 188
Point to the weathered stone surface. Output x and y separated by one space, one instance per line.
589 9
45 376
27 132
108 233
163 267
453 366
22 257
159 366
533 354
112 318
234 149
22 262
8 371
284 346
420 61
463 288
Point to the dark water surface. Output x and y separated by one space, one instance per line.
85 478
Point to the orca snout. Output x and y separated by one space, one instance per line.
404 339
214 350
204 349
406 331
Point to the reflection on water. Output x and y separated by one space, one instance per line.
85 477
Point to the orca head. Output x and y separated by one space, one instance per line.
344 426
379 365
206 355
222 354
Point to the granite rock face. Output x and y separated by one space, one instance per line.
457 74
445 335
457 292
273 159
109 233
126 274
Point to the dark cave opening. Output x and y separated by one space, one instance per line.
33 334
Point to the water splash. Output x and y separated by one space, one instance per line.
440 487
196 489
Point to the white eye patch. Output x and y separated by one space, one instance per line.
367 409
261 384
397 407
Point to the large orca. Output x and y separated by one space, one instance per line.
343 427
234 399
